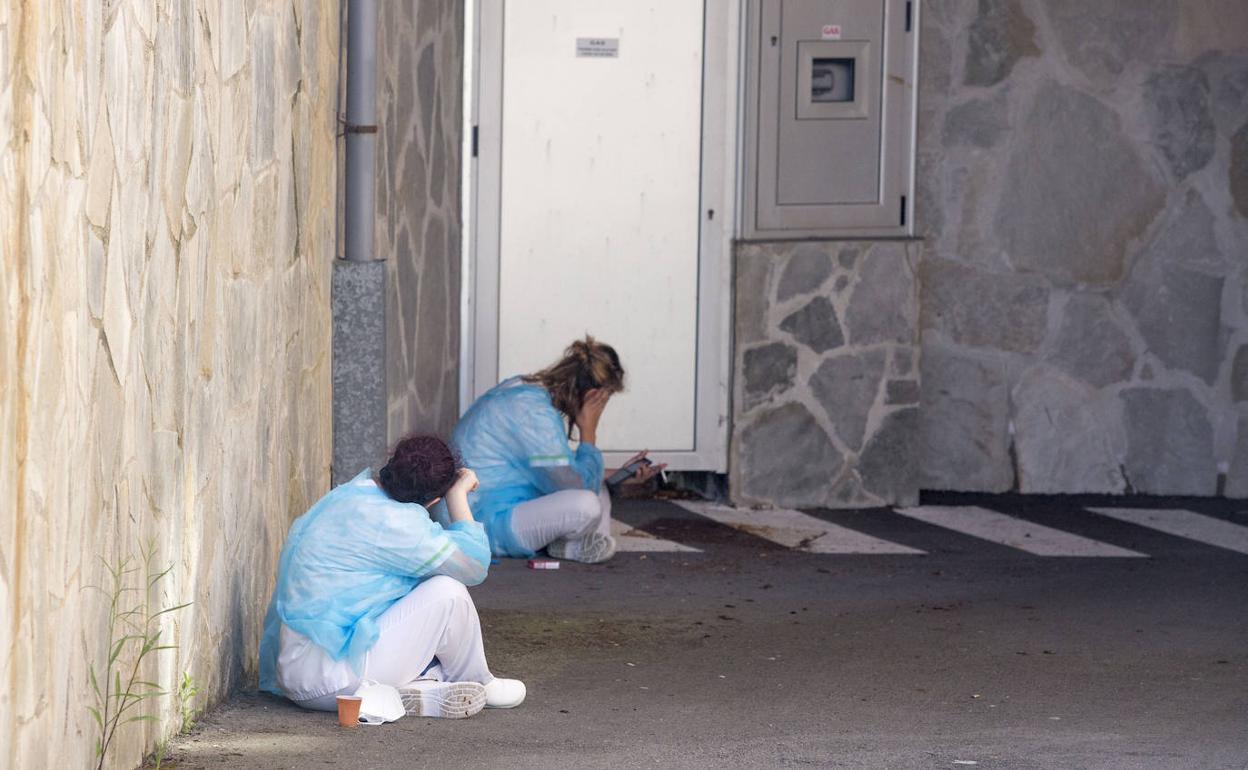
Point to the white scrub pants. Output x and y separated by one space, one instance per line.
437 619
569 513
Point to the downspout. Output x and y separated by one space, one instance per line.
361 130
360 396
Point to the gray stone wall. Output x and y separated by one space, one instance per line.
419 101
1083 196
826 374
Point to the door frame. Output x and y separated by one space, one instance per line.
721 94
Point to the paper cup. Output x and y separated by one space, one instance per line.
349 710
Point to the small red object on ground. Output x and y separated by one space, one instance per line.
543 564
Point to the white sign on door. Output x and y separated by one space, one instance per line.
598 47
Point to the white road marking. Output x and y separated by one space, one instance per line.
1193 526
632 540
1015 533
796 530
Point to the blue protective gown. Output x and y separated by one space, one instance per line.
350 557
517 442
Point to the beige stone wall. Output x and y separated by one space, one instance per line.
166 220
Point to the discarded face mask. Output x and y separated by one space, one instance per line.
381 703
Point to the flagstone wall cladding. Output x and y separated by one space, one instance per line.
1083 200
826 403
166 237
419 102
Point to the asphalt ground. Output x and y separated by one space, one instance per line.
750 654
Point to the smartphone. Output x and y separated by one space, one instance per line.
625 473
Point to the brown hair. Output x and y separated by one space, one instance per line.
421 469
586 364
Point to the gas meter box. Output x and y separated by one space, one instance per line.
830 109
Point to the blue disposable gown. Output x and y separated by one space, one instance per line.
350 557
517 442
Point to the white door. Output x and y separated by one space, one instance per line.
597 190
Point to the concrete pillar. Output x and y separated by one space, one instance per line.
359 367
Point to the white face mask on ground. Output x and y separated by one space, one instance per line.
380 703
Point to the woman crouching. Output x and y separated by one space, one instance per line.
370 588
539 492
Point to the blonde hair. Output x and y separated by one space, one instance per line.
586 364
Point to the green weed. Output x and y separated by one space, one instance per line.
186 700
134 632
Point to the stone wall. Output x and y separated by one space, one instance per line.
167 212
1083 195
420 97
826 374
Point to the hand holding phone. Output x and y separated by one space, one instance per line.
627 472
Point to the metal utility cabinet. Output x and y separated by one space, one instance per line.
830 112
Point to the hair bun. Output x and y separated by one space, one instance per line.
581 349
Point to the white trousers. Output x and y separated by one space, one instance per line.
436 620
570 513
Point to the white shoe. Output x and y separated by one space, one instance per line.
449 700
504 693
594 548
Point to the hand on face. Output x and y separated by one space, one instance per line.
587 418
465 482
594 402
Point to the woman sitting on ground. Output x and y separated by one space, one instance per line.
536 491
368 587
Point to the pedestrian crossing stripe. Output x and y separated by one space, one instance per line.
803 532
1014 532
1185 524
629 540
797 530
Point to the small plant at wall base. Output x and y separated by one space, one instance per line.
186 696
134 632
186 701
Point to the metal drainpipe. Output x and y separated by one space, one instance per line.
358 290
361 130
